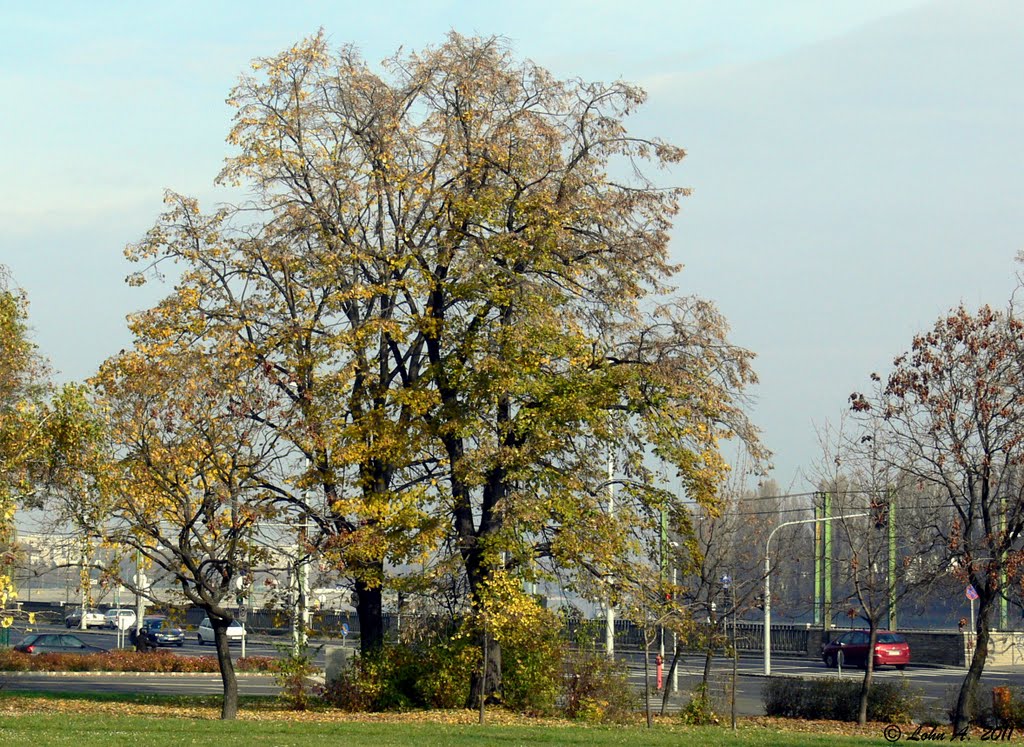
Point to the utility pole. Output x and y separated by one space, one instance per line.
768 575
892 559
609 629
819 559
827 575
300 609
1003 617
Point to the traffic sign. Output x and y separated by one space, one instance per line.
971 592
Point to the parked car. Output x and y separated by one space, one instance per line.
93 618
161 632
119 618
235 632
56 643
890 649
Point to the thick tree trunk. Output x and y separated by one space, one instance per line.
963 714
487 684
229 707
370 610
491 681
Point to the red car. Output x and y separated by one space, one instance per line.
890 649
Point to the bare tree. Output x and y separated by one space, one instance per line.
951 414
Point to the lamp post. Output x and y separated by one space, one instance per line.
767 582
610 483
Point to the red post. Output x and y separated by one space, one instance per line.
658 662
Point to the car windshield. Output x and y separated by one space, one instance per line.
891 638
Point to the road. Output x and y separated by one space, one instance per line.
937 684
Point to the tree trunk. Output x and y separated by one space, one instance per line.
491 682
708 656
668 680
370 610
963 714
869 671
229 708
647 679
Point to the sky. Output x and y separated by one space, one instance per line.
856 165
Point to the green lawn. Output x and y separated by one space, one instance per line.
116 727
84 731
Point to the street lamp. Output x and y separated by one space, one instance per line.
610 483
767 582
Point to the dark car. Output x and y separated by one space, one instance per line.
56 643
161 632
890 649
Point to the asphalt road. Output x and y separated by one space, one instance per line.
938 685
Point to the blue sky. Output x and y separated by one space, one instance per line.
856 166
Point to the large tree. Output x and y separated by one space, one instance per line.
950 414
451 276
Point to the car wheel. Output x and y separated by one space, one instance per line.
179 644
200 639
901 667
830 660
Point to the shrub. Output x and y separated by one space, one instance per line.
839 699
125 661
532 648
448 671
292 676
596 688
383 680
1006 708
699 711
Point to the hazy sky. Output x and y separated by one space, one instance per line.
856 165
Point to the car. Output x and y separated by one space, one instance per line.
161 632
93 618
56 643
891 649
235 632
119 618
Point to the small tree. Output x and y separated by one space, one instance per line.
877 547
182 479
951 414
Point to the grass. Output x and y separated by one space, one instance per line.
83 721
87 730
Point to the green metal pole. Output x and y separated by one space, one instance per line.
892 560
827 579
1003 618
818 556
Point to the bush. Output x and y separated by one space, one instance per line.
383 680
699 711
838 699
292 675
448 670
125 661
532 648
596 688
